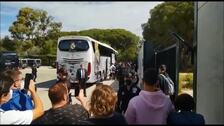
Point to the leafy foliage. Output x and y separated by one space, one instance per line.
32 24
170 17
35 33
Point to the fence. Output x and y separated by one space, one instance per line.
47 60
169 56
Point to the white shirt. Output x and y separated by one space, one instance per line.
16 117
82 73
112 68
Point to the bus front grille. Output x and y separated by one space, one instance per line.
73 61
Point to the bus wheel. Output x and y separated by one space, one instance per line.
101 76
105 76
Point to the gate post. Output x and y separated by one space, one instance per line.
177 67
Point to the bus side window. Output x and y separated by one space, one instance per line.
96 51
93 43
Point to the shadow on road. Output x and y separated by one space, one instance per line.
46 84
87 85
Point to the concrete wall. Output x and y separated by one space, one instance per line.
210 62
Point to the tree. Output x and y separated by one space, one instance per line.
31 33
33 24
170 17
54 30
1 45
36 33
49 48
8 44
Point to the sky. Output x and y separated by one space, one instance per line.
76 16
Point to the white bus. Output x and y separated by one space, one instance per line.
95 56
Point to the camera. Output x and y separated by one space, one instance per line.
28 77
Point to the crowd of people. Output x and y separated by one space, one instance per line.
129 105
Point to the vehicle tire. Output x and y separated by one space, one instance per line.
101 76
105 76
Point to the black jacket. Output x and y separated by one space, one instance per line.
116 119
34 70
78 74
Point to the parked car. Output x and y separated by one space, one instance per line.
31 62
8 60
38 62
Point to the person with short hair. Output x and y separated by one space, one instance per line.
151 106
61 112
102 107
16 116
62 76
184 115
20 99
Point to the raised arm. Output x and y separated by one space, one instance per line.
38 105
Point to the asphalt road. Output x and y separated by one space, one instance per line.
46 76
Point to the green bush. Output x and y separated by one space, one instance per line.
185 81
48 60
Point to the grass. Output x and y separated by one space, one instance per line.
185 81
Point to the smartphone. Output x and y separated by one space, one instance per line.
28 77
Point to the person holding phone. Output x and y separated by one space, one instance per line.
17 116
20 99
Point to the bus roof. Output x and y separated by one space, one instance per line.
87 37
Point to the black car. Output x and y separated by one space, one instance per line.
8 60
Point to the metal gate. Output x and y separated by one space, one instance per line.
169 56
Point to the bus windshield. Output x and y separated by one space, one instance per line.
73 45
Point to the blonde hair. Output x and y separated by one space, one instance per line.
103 101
